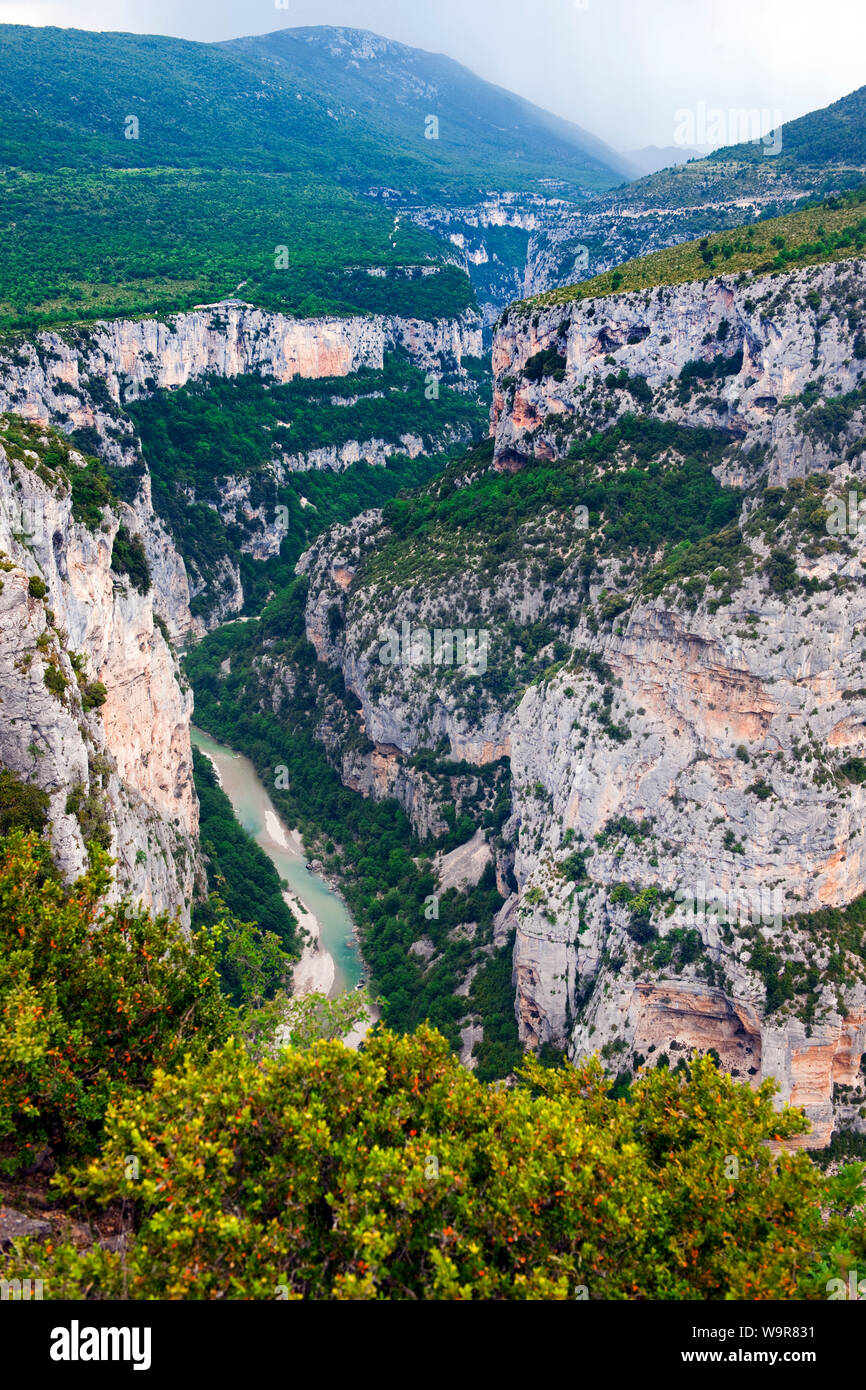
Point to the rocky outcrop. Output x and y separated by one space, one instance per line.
407 702
135 357
751 343
722 783
79 379
336 458
464 866
93 710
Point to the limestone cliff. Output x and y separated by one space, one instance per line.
80 379
686 727
741 703
94 711
123 767
731 352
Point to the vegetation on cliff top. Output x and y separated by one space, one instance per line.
181 173
833 136
128 243
831 231
92 999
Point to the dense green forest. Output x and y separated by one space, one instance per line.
198 202
215 426
275 103
194 437
648 481
179 173
125 243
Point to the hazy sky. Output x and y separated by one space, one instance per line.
620 68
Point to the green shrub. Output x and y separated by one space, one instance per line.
22 806
92 998
781 571
545 363
91 492
93 695
128 557
55 680
574 867
394 1173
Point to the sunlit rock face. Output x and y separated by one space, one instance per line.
124 764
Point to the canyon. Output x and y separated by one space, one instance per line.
127 759
682 736
716 764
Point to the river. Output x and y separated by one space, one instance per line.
332 966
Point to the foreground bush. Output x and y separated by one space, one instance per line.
92 997
394 1173
241 1171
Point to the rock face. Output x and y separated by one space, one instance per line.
491 239
79 380
114 761
464 866
406 704
337 458
128 762
134 357
16 1225
761 341
687 828
711 696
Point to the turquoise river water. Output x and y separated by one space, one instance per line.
255 811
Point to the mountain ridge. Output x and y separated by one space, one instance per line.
441 75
